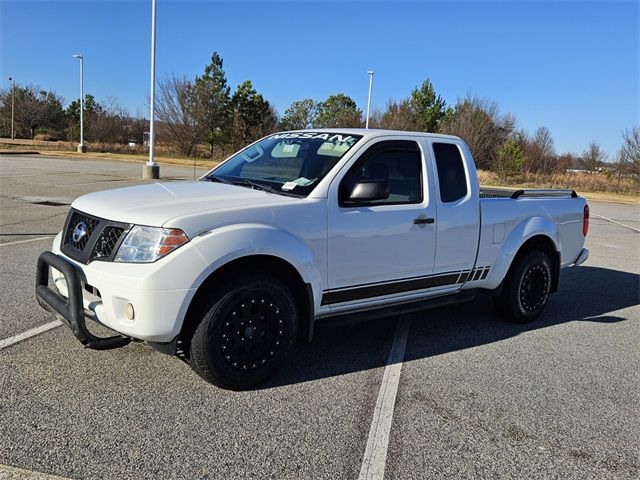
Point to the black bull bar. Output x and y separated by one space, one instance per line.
70 309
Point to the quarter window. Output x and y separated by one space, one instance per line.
451 175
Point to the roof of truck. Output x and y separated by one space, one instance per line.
374 132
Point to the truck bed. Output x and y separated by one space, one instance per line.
491 192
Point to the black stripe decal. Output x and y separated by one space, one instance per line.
464 276
485 273
359 293
477 274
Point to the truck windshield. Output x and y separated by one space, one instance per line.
285 163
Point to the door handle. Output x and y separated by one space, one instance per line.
420 221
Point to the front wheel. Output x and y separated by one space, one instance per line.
526 290
246 333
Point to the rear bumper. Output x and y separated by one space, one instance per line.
584 254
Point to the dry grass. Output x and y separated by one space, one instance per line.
580 182
92 147
163 154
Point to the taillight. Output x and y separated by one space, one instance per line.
585 220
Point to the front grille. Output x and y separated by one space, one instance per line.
99 242
107 242
78 218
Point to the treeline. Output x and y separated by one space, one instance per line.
496 142
203 111
40 115
203 117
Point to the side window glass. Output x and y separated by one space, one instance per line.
400 166
451 175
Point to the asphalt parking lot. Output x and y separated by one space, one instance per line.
477 397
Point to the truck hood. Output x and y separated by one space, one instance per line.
155 204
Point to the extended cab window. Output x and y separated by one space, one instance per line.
397 162
451 174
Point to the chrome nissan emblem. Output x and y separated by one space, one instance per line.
79 232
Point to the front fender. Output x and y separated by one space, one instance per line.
225 244
522 232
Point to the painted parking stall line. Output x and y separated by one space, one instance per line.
7 342
25 241
616 222
13 473
375 454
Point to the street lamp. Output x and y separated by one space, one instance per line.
81 147
13 102
151 168
370 72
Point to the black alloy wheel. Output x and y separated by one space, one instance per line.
252 334
246 333
534 289
526 288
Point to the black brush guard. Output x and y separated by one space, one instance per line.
71 309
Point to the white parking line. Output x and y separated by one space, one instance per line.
23 241
375 454
617 223
5 342
12 473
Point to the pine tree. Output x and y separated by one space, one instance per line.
214 97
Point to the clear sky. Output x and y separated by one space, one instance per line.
567 65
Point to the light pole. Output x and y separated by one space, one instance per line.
81 147
151 169
370 72
13 103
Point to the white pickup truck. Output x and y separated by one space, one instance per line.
299 227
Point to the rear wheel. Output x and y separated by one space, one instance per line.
526 289
246 333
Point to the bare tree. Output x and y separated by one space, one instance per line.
179 114
593 157
539 152
566 161
109 124
629 154
399 116
479 123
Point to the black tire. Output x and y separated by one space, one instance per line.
246 333
526 289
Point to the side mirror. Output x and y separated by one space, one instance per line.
368 191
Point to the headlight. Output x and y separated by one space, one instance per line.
148 244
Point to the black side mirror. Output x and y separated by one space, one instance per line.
368 191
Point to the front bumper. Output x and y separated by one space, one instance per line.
159 292
71 309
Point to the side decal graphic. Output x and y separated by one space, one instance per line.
407 285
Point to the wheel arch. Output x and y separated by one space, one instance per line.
539 242
275 266
534 232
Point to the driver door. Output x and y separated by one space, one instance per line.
383 246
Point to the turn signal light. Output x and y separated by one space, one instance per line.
171 240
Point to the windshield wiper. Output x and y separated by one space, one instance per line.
244 182
215 178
